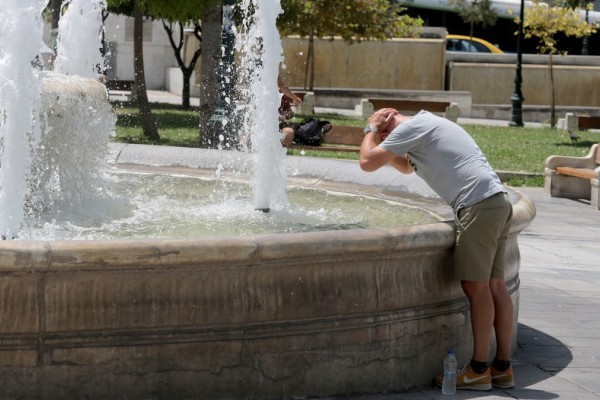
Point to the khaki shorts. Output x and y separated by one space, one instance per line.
481 233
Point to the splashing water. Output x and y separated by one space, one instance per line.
20 20
67 170
79 38
52 153
259 45
54 128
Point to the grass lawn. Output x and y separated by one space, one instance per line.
507 149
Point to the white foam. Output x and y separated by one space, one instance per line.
80 39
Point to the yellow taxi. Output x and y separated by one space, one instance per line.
470 44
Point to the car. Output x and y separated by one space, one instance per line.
470 44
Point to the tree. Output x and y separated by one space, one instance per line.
147 119
209 79
587 5
137 8
475 12
544 22
181 11
186 70
353 20
55 7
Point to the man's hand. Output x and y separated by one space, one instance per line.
382 119
372 156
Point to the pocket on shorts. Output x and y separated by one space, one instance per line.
462 218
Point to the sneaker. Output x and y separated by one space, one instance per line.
502 380
466 379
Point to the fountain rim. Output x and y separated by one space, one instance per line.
48 255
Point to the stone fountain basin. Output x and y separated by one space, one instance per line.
262 317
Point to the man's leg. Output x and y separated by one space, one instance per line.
503 320
477 374
482 316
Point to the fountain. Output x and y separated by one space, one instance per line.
256 317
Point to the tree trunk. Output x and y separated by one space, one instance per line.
146 118
186 70
311 51
185 92
306 68
56 6
552 93
209 66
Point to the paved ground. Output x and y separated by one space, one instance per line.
558 356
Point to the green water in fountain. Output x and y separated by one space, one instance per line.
144 205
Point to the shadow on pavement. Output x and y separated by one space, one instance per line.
538 358
541 350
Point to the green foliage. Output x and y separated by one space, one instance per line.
178 11
584 4
124 7
170 10
544 22
475 12
353 20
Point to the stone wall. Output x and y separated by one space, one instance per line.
575 85
411 64
420 64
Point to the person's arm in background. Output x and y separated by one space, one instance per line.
287 92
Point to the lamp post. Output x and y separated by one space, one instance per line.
516 118
586 39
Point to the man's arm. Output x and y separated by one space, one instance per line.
373 157
401 164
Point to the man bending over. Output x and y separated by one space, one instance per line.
449 160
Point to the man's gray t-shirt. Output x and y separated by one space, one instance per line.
446 157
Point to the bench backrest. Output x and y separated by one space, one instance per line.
586 122
410 105
348 135
597 159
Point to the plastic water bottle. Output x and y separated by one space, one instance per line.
450 365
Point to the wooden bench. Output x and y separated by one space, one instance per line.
574 177
578 122
448 109
587 122
339 138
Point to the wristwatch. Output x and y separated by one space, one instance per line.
370 128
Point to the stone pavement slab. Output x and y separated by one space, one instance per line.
558 355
